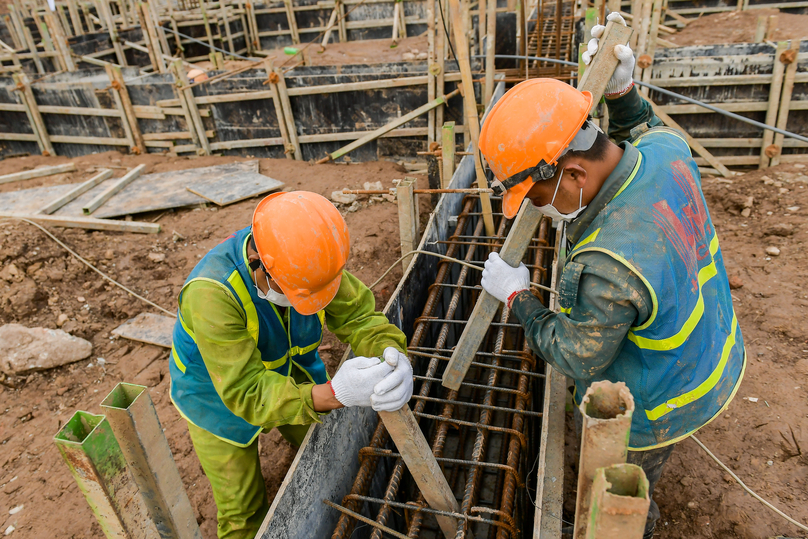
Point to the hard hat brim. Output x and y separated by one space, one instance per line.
314 302
513 197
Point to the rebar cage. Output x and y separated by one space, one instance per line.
486 436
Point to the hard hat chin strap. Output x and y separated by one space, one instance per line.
584 140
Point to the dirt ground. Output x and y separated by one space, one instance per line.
763 436
765 441
739 27
49 282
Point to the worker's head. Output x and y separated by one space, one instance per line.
540 143
197 75
302 243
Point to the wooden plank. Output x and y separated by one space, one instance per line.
408 224
600 70
785 100
80 189
232 188
426 471
447 153
88 223
472 120
187 99
290 17
32 111
114 87
116 187
288 149
130 118
692 142
513 250
490 49
152 46
288 117
37 173
774 101
388 127
150 328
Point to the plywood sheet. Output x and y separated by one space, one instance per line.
233 187
149 328
32 200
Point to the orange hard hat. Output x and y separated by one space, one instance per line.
527 131
303 243
197 75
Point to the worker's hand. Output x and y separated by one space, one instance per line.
395 390
622 78
354 382
502 280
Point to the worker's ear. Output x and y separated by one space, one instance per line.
577 174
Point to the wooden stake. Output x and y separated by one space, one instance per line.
775 91
150 36
60 40
407 218
112 190
785 101
402 28
43 31
448 153
288 148
227 33
771 27
37 173
32 110
34 52
387 128
113 32
693 143
158 28
187 97
760 28
79 190
288 117
253 26
396 21
16 39
642 38
331 22
432 134
343 30
437 67
290 17
482 27
490 49
470 108
75 19
206 22
652 42
128 117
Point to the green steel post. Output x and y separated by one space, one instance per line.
94 457
131 414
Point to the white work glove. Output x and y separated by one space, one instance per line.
395 390
622 78
502 280
354 382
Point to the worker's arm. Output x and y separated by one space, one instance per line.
259 396
627 111
353 318
606 301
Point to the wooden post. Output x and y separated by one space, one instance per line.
206 22
129 118
402 29
522 232
650 50
16 39
775 91
150 36
113 32
75 19
288 148
771 27
60 40
112 190
225 17
470 108
290 17
134 422
253 26
642 38
96 462
76 192
85 9
600 70
396 21
760 28
288 117
159 30
37 173
431 131
448 153
343 29
32 110
43 31
437 65
34 51
330 26
186 95
490 49
789 56
482 27
407 219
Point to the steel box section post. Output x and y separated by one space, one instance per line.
607 408
133 419
94 457
619 506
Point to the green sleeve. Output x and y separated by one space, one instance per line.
353 318
610 300
627 112
260 396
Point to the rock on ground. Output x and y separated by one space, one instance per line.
24 350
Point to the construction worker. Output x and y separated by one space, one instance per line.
245 360
644 297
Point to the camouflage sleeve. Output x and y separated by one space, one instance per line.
604 299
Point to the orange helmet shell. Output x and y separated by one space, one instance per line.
303 243
535 120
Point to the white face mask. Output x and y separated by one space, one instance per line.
273 297
550 211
